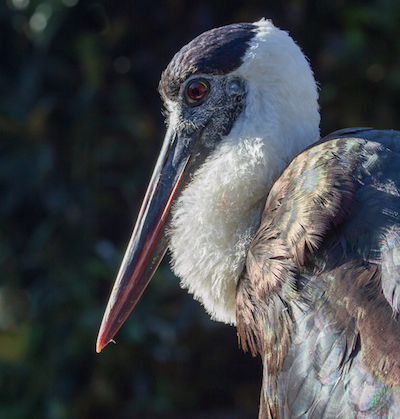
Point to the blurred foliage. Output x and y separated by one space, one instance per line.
80 129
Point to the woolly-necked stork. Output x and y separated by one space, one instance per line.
293 239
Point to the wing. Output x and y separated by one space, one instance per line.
320 293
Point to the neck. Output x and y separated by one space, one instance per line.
216 217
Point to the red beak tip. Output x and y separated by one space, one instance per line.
100 345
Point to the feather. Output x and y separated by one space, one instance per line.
328 249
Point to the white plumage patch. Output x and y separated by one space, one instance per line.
217 215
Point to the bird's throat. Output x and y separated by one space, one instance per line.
214 222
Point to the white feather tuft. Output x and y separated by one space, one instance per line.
217 215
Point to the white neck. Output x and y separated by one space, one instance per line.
217 215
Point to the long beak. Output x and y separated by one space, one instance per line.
148 243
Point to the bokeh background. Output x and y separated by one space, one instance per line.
80 129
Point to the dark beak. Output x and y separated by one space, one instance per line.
148 243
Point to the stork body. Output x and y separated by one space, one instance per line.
319 296
299 249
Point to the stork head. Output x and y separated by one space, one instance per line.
241 102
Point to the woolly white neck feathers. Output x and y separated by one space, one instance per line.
217 215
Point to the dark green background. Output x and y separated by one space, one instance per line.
80 129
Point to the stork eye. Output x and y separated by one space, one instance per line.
196 92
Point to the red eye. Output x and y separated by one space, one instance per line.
196 91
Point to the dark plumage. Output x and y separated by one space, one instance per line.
218 51
319 296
